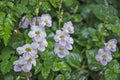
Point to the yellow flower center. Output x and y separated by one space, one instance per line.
68 28
61 49
104 56
28 49
37 32
29 60
40 42
62 36
45 20
111 45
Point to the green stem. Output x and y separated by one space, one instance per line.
28 76
60 13
106 14
37 9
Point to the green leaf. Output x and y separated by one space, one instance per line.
60 77
32 2
17 44
45 72
16 41
6 53
2 17
46 7
9 77
1 27
20 9
99 11
6 66
11 5
114 66
85 12
57 66
76 18
110 75
74 60
116 27
2 32
2 4
68 2
24 2
48 58
7 34
38 67
7 59
54 3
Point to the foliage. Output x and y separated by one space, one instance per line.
94 22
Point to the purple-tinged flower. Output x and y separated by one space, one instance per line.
68 46
37 32
46 20
30 58
24 63
24 23
35 21
17 67
69 43
68 27
64 39
27 48
60 50
18 64
40 44
111 45
29 62
61 37
103 56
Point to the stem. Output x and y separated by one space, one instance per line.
28 76
60 13
37 9
106 14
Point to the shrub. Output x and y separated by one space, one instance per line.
59 40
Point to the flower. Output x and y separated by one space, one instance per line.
111 45
40 44
24 63
62 38
60 50
17 65
24 23
27 48
46 20
37 33
69 43
103 56
35 21
68 27
29 51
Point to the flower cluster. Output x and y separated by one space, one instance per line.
28 52
25 61
104 55
63 40
38 33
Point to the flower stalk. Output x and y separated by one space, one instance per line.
60 13
106 14
28 76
